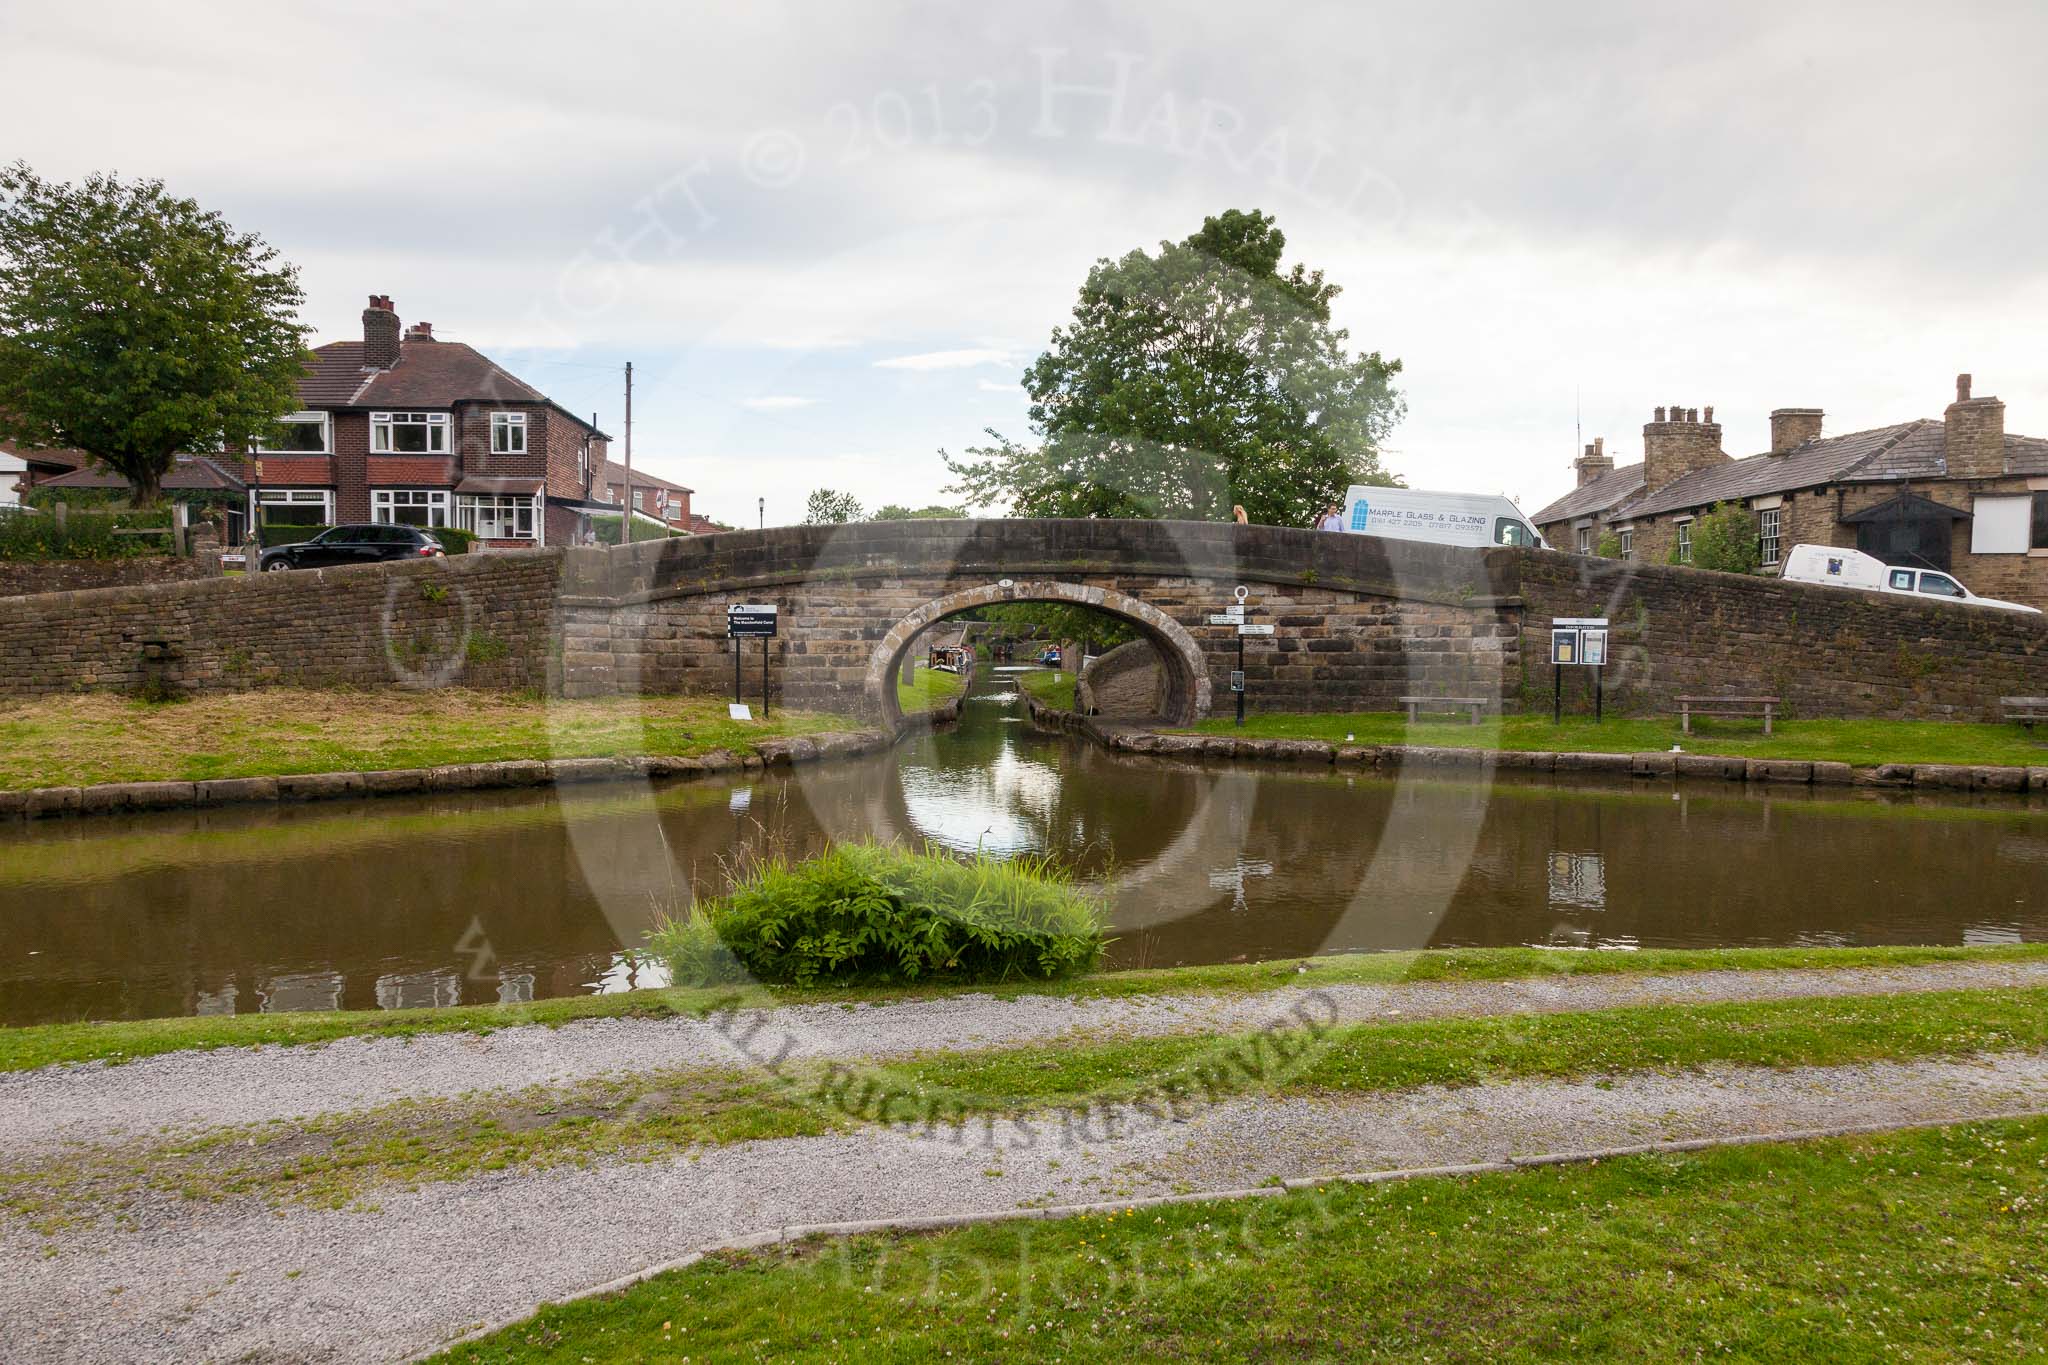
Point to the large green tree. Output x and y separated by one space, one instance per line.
1192 379
828 507
135 325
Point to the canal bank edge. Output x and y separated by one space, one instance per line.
110 798
1140 739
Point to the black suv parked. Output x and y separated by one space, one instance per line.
363 544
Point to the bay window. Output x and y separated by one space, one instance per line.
499 516
409 433
410 506
293 506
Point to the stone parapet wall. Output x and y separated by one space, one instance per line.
474 620
26 577
1359 622
1824 651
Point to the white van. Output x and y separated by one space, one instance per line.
1833 568
1474 519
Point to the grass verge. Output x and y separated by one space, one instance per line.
24 1049
1052 687
97 737
342 1158
1931 1246
932 687
1862 742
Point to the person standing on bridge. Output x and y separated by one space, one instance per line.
1237 513
1332 518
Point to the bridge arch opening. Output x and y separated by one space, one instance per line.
1185 695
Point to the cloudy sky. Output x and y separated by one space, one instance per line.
830 237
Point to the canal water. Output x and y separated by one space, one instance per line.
476 897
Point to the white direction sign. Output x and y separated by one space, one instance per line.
1254 630
1226 619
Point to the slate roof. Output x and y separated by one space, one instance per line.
46 459
1912 450
1613 487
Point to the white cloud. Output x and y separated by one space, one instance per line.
776 402
990 386
945 360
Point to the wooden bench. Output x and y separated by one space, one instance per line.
2025 710
1474 705
1741 707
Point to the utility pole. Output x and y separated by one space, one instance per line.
763 510
626 514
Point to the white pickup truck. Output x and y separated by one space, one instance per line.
1833 568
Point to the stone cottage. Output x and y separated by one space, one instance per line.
1958 493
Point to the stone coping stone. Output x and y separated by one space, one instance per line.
1659 763
109 797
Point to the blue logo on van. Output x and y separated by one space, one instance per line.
1359 511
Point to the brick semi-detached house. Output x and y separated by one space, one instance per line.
1958 494
408 427
668 503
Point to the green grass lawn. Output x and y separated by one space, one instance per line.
932 686
1862 742
1052 687
96 737
1924 1245
26 1048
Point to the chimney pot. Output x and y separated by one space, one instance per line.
1599 445
1710 412
1962 388
1660 415
1692 414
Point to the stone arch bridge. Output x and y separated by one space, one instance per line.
1358 621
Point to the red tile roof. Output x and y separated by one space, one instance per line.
434 471
188 472
614 476
334 376
434 374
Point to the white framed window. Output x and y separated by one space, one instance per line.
409 433
1767 524
302 433
1585 540
292 506
639 499
508 433
499 516
1627 536
1685 541
410 506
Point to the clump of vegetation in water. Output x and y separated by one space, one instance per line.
879 914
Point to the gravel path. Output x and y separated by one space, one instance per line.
192 1090
241 1282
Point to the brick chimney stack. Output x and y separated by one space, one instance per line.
1595 462
1793 426
380 333
1676 446
1973 435
420 331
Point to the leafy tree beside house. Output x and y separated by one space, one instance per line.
1190 380
829 508
1725 538
135 325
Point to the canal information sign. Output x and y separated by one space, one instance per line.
745 621
1577 642
750 621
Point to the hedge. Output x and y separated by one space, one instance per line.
28 535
